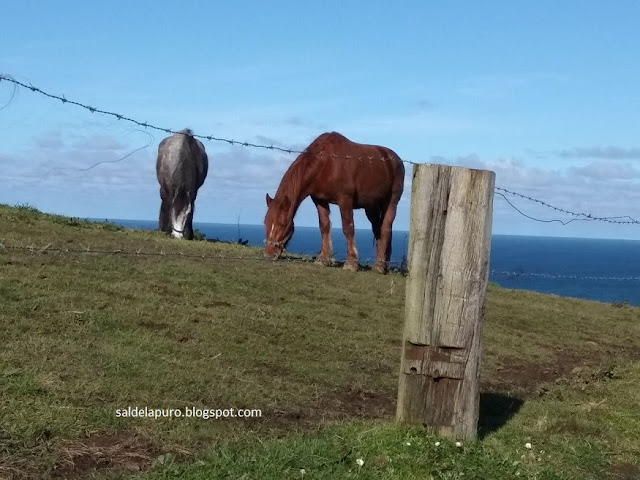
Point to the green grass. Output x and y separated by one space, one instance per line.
316 349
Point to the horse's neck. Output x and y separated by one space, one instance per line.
297 181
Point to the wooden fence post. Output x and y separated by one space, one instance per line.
449 246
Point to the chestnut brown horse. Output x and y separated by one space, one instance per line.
335 170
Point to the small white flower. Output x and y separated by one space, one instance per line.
408 444
437 444
302 471
528 446
458 444
360 462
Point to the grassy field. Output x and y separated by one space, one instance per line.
316 349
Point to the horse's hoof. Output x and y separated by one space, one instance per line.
323 261
351 267
379 267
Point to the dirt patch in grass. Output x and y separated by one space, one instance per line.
122 453
217 303
343 403
632 352
513 374
623 471
512 382
356 403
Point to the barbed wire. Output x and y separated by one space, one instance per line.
578 216
500 191
534 218
151 139
118 116
562 276
13 94
41 249
287 259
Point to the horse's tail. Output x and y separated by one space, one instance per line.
192 143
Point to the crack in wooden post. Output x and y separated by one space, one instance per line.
450 238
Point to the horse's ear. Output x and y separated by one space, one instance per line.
269 200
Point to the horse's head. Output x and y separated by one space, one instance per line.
181 211
278 225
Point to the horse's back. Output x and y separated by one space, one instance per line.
368 156
182 158
371 174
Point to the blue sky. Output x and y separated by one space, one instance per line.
545 93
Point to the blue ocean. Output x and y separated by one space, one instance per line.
595 269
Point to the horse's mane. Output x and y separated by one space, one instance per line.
186 131
290 183
291 180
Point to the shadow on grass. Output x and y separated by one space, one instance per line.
496 409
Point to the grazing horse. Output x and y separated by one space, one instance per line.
181 169
333 169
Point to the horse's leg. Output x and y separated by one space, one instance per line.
164 221
188 228
375 217
386 236
326 250
346 211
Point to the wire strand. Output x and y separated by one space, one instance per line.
499 190
578 216
145 124
34 249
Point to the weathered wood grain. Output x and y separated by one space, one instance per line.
449 246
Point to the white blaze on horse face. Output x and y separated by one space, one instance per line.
179 222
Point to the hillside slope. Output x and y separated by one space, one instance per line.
97 318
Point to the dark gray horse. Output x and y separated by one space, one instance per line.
181 170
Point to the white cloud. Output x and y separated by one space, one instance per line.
50 175
51 139
607 171
597 189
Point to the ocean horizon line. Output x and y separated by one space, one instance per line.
338 229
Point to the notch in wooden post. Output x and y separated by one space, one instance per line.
449 246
